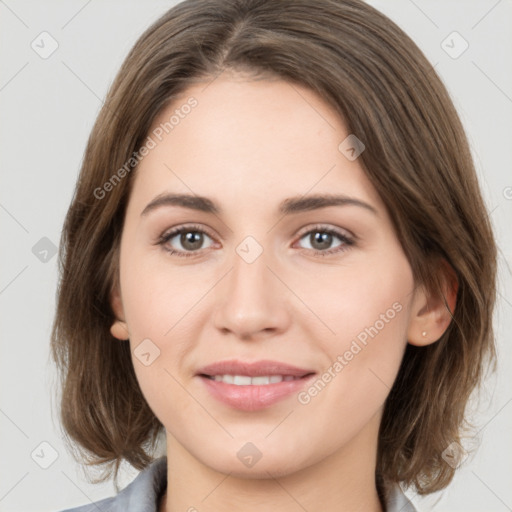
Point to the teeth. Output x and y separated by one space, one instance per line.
262 380
241 380
245 380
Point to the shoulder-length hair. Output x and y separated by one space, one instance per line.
417 158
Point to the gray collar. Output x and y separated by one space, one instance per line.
144 492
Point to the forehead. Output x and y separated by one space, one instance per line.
266 138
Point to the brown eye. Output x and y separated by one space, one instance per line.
184 241
191 240
321 241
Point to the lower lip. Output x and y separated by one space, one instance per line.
253 398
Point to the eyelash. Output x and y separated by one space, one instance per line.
164 238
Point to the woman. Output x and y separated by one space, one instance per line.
277 254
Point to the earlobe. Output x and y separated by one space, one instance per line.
119 330
432 313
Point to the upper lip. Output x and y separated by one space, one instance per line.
252 369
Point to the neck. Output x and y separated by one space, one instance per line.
343 481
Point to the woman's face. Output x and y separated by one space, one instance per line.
273 275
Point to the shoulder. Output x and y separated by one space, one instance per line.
141 495
397 501
95 506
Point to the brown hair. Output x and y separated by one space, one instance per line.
416 156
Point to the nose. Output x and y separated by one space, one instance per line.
252 302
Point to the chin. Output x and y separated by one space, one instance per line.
242 459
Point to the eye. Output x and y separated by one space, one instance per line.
321 238
191 239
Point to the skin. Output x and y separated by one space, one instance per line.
248 145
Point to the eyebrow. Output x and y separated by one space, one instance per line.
286 207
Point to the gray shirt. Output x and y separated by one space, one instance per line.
146 490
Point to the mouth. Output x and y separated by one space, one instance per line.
253 386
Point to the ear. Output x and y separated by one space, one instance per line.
118 329
432 312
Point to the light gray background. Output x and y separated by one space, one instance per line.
48 107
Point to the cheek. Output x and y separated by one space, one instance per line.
368 311
157 293
366 298
365 313
162 302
